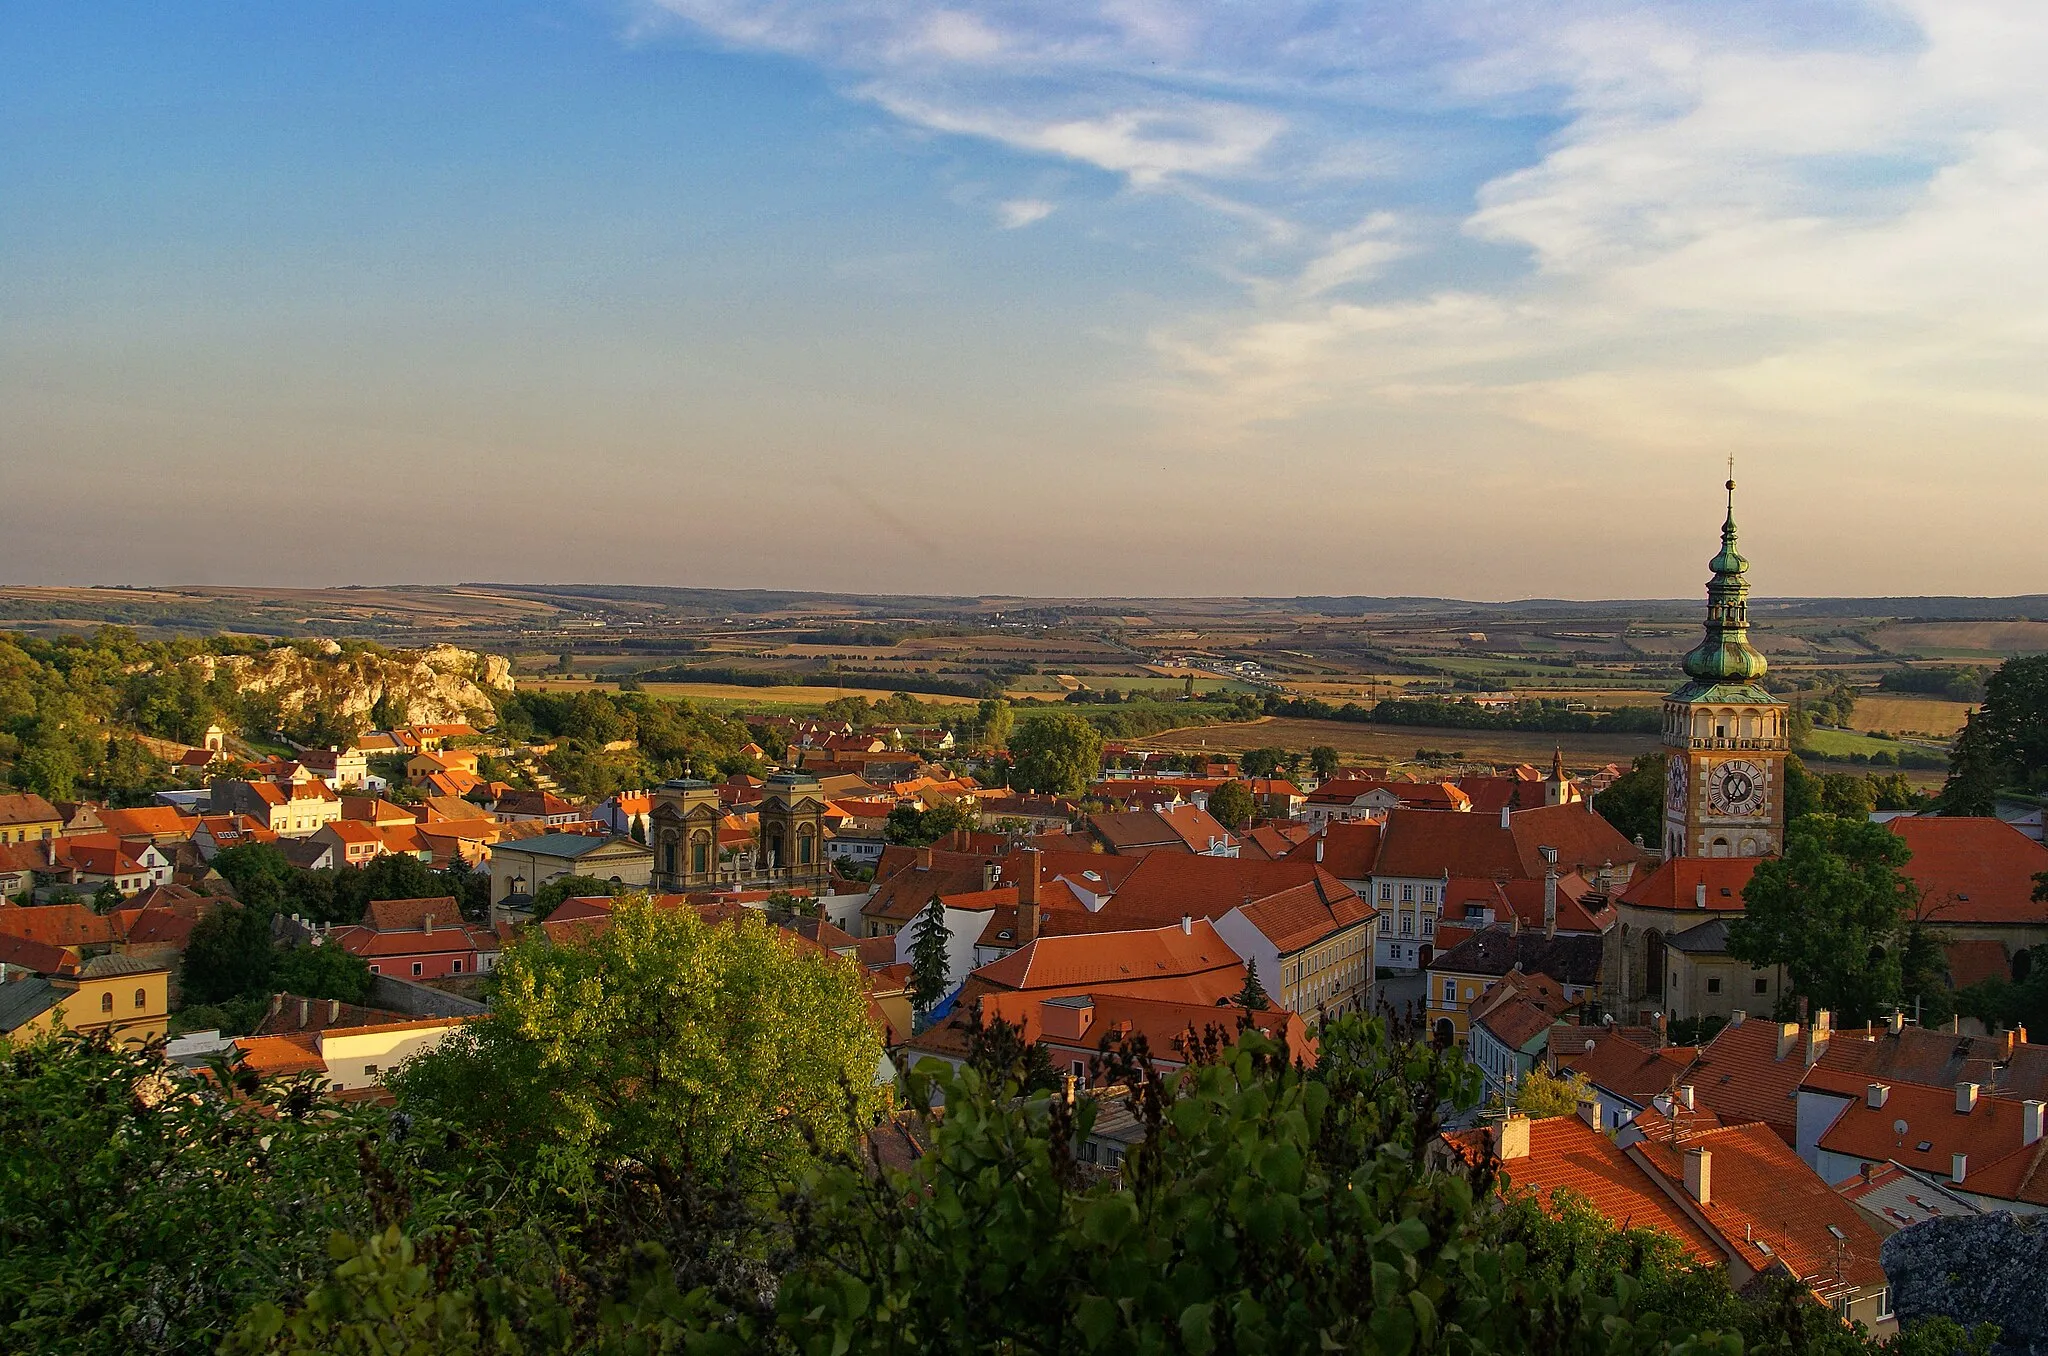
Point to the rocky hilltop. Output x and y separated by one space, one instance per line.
441 684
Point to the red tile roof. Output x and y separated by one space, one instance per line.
148 821
1566 1154
1618 1065
58 924
1761 1193
1975 962
410 915
1675 885
1115 960
1999 1162
1347 850
1973 870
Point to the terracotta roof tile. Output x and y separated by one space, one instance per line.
1973 870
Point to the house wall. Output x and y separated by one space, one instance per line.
432 964
1698 986
1817 1114
361 1059
132 1022
963 927
1409 909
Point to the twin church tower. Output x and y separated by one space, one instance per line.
1726 738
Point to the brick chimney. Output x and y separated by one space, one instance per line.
1027 899
1511 1138
333 1010
430 925
1958 1168
1589 1112
1187 925
1876 1095
1817 1037
305 1012
1549 855
1788 1037
1966 1098
991 875
2033 1121
276 1002
1699 1175
924 859
1699 895
1503 816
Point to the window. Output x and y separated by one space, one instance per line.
106 1002
418 968
1387 893
1450 993
1081 1071
455 967
370 1070
375 971
1429 925
1429 894
1884 1303
1407 894
1713 984
1407 925
1763 985
141 998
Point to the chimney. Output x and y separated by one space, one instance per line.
924 859
1788 1036
430 925
1503 816
1589 1112
305 1012
1549 855
991 873
1958 1168
1699 1175
1896 1022
276 1002
1740 1016
2033 1120
1187 925
1817 1037
1512 1138
1876 1095
1027 899
1966 1098
1685 1096
1868 1171
2005 1047
1319 851
333 1010
1663 1030
1699 895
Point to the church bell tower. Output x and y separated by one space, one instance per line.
1725 737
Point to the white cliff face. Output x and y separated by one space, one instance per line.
432 686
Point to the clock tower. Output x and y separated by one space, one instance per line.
1724 736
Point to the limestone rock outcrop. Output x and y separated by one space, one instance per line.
430 686
1979 1269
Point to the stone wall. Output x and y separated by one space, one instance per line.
1975 1269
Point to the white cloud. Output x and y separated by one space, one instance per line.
1021 212
1730 221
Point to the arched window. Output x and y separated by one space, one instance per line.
668 856
1653 963
700 853
106 1002
1720 848
141 998
803 845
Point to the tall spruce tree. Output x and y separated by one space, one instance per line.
1253 996
928 969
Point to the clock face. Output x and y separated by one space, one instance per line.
1735 787
1674 784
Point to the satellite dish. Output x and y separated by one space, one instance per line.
1898 1127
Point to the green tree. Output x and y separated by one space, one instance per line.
1231 804
993 722
2015 719
1252 997
1539 1093
1846 795
909 825
1000 1054
1261 762
550 896
1831 911
228 955
1976 771
1634 802
324 971
669 1041
1323 760
1056 752
930 973
1802 791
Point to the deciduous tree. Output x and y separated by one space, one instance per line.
1056 752
1231 804
1831 911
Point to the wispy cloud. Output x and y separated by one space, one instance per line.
1021 212
1684 218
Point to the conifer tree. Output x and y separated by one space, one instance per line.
928 970
1253 996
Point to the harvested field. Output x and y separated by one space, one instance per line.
1909 715
1970 638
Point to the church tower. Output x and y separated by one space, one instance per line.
1726 738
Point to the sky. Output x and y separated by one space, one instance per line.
1464 298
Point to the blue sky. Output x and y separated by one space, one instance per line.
1132 297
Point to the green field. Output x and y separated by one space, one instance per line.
1841 743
